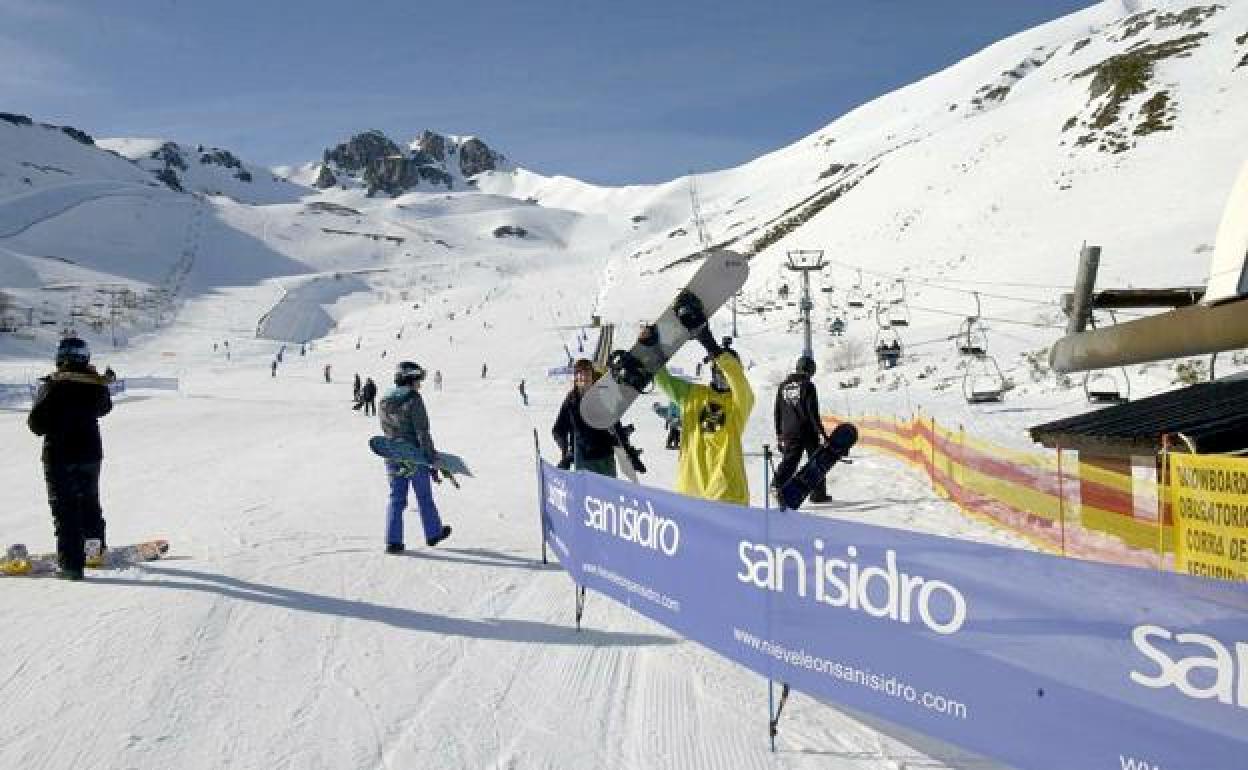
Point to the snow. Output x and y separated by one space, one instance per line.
280 635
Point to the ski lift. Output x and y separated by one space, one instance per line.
887 342
1102 387
898 315
983 382
972 339
854 295
897 294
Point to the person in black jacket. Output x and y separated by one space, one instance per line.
581 445
368 396
67 406
799 430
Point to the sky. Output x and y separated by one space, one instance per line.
608 92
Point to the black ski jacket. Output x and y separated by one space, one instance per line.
576 437
66 409
797 409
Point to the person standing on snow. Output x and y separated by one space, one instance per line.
66 411
524 396
368 396
355 389
799 430
437 379
327 373
403 416
581 445
711 464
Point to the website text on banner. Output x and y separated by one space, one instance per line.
1081 511
1065 664
1210 501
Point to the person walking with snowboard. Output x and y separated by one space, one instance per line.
582 446
403 416
368 396
711 463
66 412
799 429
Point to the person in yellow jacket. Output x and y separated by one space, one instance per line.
711 463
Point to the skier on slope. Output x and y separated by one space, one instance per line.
368 396
711 463
66 411
581 445
403 416
799 429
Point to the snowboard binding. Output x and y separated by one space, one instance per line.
689 311
627 369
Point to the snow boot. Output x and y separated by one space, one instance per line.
444 534
394 548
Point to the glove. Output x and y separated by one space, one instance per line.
435 476
565 463
689 311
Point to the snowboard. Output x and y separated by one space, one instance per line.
795 491
409 456
17 562
630 372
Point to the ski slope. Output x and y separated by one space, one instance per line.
279 635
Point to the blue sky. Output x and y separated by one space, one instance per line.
610 92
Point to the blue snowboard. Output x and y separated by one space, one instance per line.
797 489
406 454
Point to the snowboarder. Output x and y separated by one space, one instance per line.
671 421
368 396
523 395
327 373
711 463
355 389
483 370
799 430
437 379
109 375
66 412
403 416
581 445
273 368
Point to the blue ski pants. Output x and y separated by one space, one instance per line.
421 485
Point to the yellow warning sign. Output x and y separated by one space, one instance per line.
1209 495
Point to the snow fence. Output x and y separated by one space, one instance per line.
1077 509
1029 658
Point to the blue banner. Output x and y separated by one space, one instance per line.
1035 660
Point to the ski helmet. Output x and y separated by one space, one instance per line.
806 366
408 372
72 350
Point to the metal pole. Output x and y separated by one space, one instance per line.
541 513
1085 284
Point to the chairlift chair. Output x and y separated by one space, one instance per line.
853 297
972 339
898 315
1101 387
983 382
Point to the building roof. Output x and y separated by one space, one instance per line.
1212 415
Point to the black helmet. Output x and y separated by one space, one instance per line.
73 350
806 366
408 372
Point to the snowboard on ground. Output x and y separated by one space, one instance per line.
18 562
795 491
409 457
630 372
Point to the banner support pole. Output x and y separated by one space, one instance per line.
541 515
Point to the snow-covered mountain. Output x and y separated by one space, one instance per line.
284 637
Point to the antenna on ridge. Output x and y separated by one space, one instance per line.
704 237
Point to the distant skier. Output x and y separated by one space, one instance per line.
483 371
799 429
327 378
368 396
66 411
437 379
582 446
523 395
711 464
403 416
109 375
273 368
355 389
